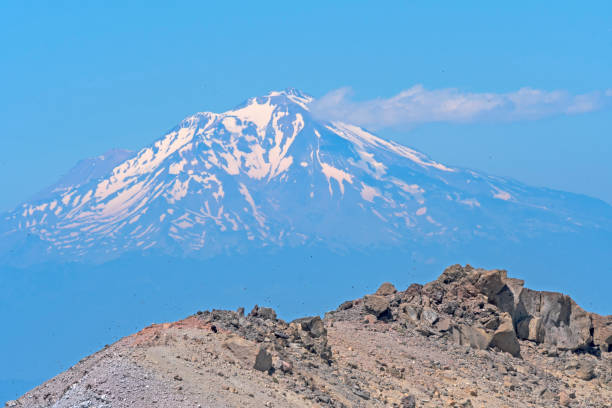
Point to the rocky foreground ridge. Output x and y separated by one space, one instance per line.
471 338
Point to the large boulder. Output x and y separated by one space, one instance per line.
313 325
263 360
378 306
429 316
490 283
386 289
504 337
241 349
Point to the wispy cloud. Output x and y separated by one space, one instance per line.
420 105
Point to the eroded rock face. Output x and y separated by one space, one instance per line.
487 309
602 331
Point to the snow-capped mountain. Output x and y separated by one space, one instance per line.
270 174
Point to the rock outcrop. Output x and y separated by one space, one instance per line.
489 309
471 338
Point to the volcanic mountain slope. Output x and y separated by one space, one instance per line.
472 338
270 174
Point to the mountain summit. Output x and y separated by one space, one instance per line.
270 174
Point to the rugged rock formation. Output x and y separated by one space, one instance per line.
472 338
499 309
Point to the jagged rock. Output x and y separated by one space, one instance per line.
263 312
562 322
542 317
386 289
602 332
378 306
409 312
429 315
454 273
435 291
311 332
491 282
263 360
504 337
314 325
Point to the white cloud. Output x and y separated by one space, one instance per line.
419 105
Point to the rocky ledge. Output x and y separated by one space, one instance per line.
486 309
472 338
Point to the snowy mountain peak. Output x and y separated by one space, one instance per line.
268 173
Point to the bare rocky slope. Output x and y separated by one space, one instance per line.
472 338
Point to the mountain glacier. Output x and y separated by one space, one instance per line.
269 174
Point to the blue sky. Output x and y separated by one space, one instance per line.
78 78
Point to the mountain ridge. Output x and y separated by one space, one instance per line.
269 174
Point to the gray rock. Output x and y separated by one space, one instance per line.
409 312
408 402
602 332
363 394
263 360
429 315
562 322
